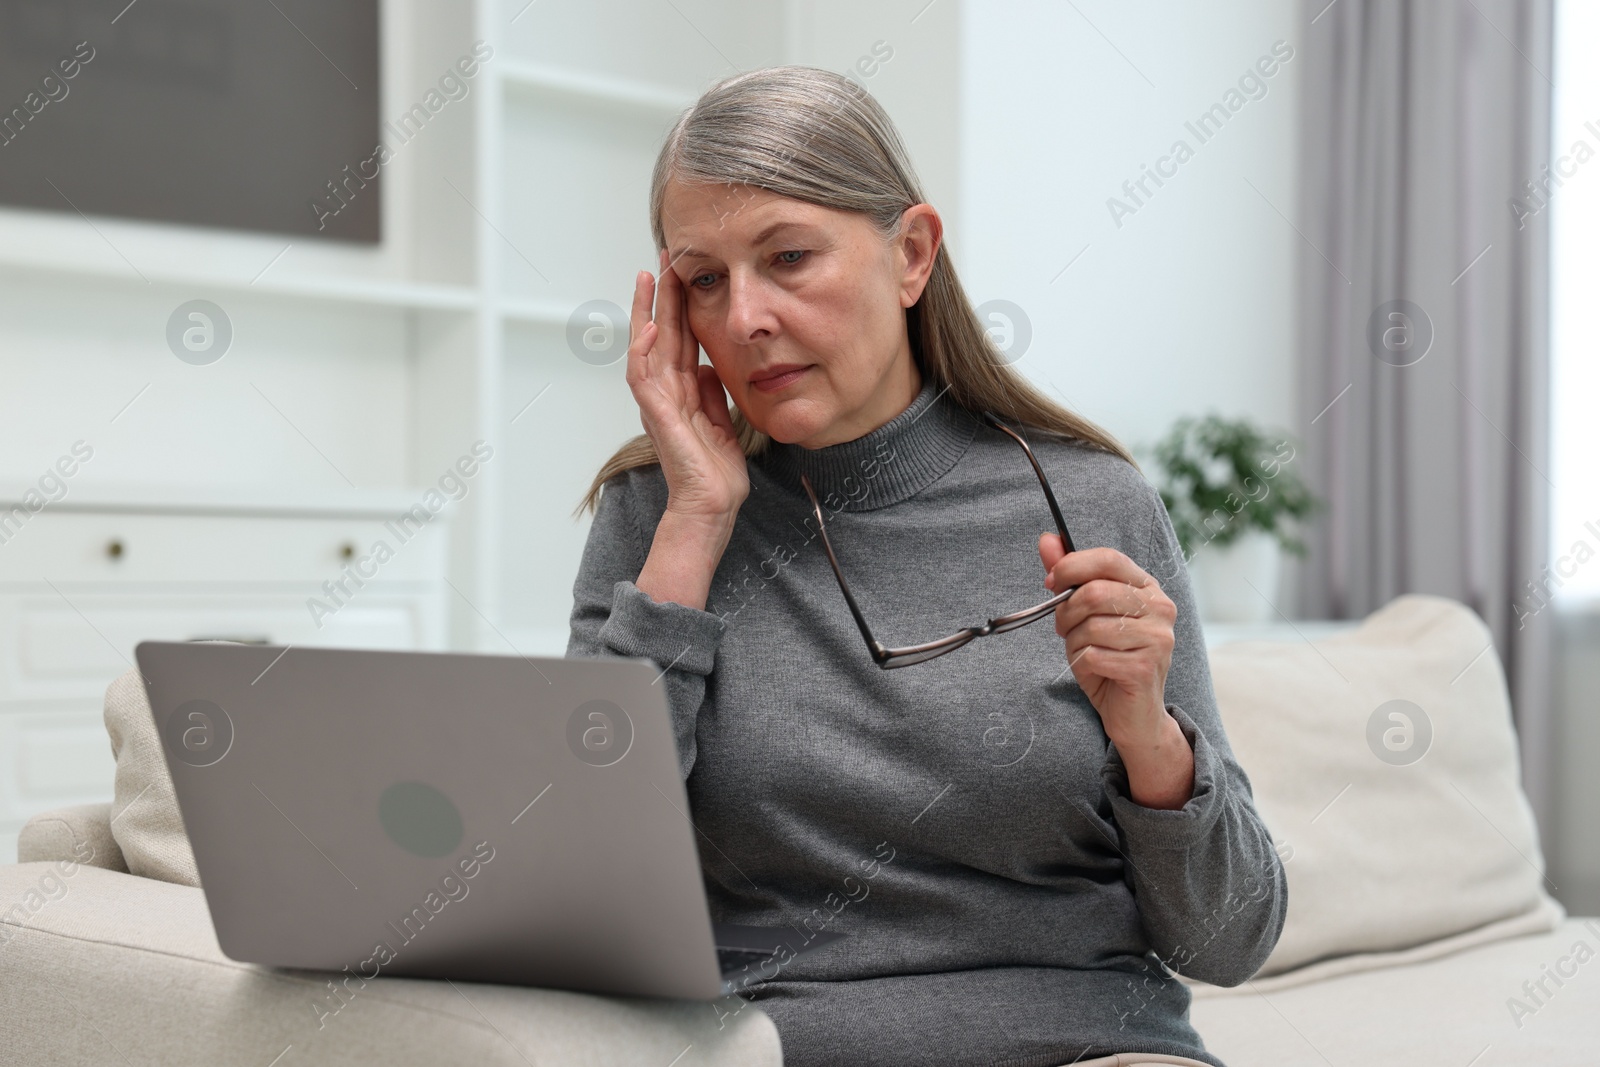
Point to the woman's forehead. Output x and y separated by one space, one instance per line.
701 219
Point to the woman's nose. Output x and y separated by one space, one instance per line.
750 314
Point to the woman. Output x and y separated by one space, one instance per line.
1020 837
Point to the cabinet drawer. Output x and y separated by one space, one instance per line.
54 758
77 546
53 649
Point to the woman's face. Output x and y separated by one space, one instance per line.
774 284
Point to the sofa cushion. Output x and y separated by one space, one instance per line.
1384 762
1530 1000
144 810
81 833
111 968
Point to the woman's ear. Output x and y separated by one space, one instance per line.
921 232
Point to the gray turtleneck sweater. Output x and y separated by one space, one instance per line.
965 821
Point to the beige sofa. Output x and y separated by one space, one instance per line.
116 969
1420 928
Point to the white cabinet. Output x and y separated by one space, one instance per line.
84 580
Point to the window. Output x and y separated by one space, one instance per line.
1574 207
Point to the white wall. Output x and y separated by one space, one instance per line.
906 52
1187 306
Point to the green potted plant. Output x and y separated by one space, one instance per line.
1234 496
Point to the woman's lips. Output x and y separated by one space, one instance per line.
769 385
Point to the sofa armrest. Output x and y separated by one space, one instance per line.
95 964
79 834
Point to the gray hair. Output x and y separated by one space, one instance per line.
820 138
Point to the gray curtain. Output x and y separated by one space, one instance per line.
1426 423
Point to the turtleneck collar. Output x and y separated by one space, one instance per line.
885 466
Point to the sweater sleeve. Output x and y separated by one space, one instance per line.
611 616
1210 886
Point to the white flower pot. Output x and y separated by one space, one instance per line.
1237 582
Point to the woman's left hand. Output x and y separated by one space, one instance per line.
1118 630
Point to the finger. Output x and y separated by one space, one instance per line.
1050 553
691 344
669 316
639 353
1135 669
1111 631
1075 664
643 294
638 320
714 398
1088 564
1113 599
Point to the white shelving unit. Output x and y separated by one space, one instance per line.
375 293
587 89
360 369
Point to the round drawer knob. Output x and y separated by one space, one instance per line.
114 548
347 550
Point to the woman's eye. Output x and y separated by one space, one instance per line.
790 258
703 281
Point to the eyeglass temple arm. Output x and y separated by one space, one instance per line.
879 651
1049 495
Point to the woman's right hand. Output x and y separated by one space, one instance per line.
683 406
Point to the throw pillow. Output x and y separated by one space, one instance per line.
1384 762
144 813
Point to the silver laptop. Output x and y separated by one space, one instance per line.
505 819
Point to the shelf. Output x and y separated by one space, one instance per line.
528 311
233 499
330 289
525 76
423 295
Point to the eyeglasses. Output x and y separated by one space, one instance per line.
889 658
